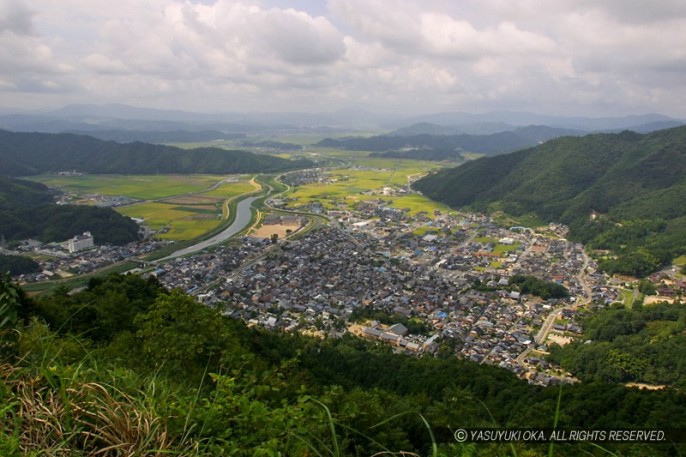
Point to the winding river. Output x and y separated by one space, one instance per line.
242 220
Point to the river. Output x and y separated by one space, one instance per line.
242 220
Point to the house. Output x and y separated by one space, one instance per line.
398 329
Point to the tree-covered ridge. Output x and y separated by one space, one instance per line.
495 143
603 185
422 154
34 153
206 385
27 210
18 265
15 193
643 344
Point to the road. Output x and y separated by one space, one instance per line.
547 326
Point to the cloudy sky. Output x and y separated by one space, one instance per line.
587 57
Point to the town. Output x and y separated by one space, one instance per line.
428 284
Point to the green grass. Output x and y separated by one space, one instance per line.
231 190
680 260
416 204
501 249
526 220
421 231
627 297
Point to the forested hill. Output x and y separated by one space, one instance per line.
27 210
633 185
496 143
33 153
124 364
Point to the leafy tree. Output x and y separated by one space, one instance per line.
18 265
646 287
538 287
183 335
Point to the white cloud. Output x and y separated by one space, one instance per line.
576 55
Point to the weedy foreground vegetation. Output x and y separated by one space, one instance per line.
127 368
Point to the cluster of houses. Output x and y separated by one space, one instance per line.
103 201
449 271
398 335
316 283
192 274
79 256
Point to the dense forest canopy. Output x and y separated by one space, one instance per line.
23 154
643 344
17 265
27 210
623 192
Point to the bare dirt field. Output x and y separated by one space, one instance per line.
266 231
559 339
652 299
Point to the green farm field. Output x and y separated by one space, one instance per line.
184 216
144 187
231 190
368 174
184 222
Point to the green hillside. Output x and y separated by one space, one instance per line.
127 368
622 192
27 210
24 154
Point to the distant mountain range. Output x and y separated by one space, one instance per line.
89 118
623 192
33 153
159 137
492 144
510 119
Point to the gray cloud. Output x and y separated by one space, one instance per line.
298 38
15 17
566 56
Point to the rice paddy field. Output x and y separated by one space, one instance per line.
365 180
232 189
182 207
178 207
144 187
175 222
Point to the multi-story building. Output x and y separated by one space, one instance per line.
80 242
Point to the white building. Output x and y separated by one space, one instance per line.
80 242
